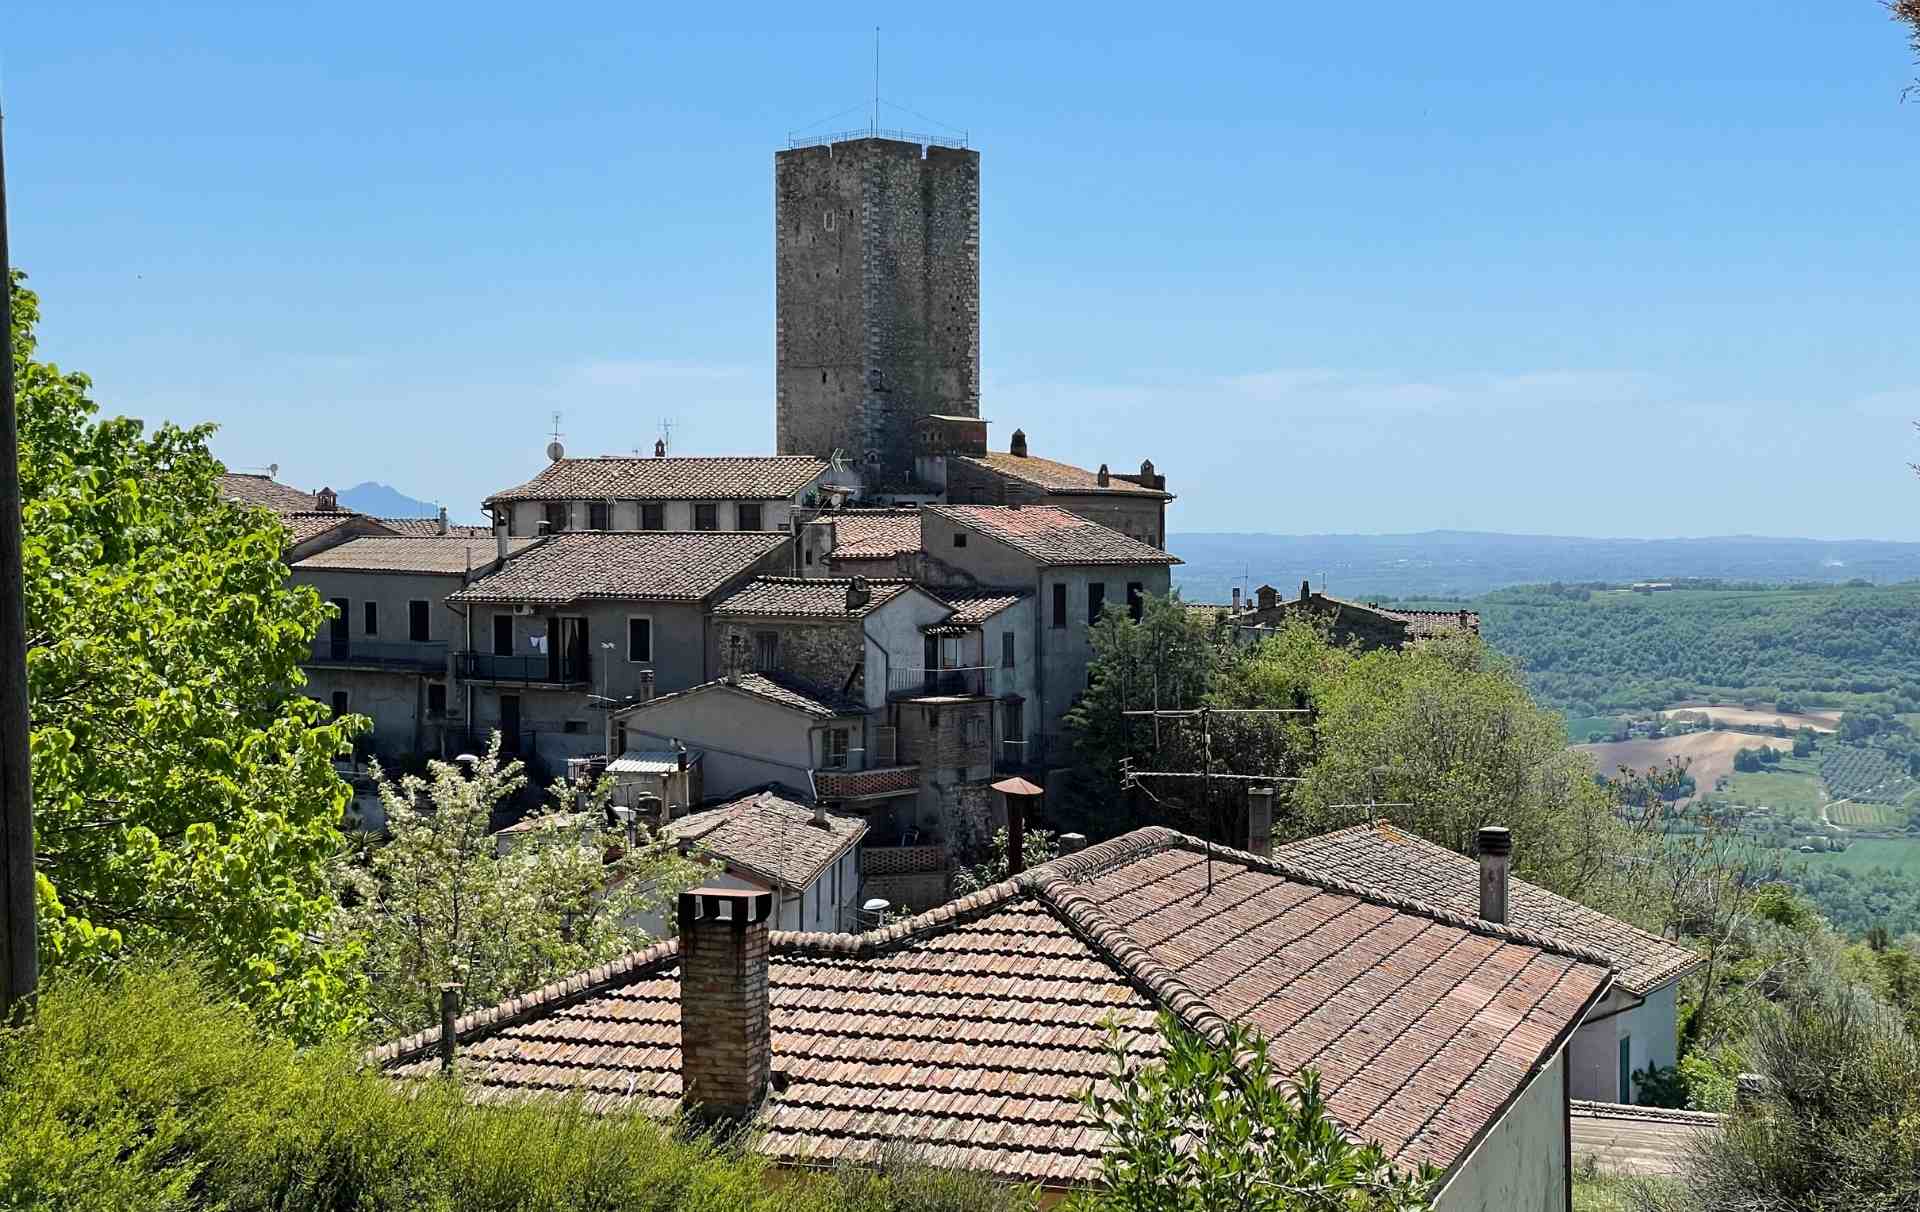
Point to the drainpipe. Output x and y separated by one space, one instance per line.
1039 665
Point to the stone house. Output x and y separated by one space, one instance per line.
1367 624
806 855
584 620
1441 1036
386 653
622 493
1636 1026
314 521
1134 505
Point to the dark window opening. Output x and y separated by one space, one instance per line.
748 514
653 517
417 621
836 749
1136 599
706 516
597 516
339 703
1096 600
1059 605
639 639
372 610
1006 650
766 650
959 539
436 698
574 726
556 516
503 635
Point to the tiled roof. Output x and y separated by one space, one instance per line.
450 554
249 488
977 607
1056 477
1435 622
429 528
757 478
974 1030
874 534
804 598
652 761
635 566
866 784
771 837
1054 536
1390 858
782 688
311 524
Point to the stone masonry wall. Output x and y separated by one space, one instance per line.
826 654
877 297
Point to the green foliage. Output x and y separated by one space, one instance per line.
1611 652
439 901
183 790
1655 1086
1040 845
147 1092
1206 1128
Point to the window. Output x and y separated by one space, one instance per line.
417 611
959 538
1626 1069
766 650
1006 650
574 726
597 516
1096 600
1136 599
639 639
748 515
340 702
653 516
706 515
503 635
556 515
836 748
436 698
1012 720
620 739
1059 605
372 611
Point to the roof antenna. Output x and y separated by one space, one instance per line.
555 450
876 81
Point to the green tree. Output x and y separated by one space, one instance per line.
1040 845
184 790
1210 1128
444 901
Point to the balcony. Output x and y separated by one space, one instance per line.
544 669
376 654
971 681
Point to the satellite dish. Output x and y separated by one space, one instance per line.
555 451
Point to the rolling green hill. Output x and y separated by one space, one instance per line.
1594 651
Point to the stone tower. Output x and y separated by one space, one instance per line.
877 298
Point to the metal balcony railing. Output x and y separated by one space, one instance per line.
387 654
550 668
974 680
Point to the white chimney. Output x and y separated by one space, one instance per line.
1496 856
500 534
441 528
1260 820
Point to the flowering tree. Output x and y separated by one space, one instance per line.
443 900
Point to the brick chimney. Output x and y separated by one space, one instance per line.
1260 820
726 1052
1495 844
659 448
1018 446
1267 596
1306 590
1103 477
326 501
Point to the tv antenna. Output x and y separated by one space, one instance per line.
666 433
555 450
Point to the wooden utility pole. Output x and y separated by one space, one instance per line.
19 960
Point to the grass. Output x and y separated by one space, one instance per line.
1898 854
1599 1193
1580 727
1867 816
1788 792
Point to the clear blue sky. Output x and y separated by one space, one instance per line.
1624 269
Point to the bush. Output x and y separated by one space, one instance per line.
143 1092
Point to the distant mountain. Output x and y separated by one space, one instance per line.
1456 563
383 501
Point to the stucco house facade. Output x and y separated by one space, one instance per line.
626 493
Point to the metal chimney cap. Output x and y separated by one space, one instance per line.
1496 840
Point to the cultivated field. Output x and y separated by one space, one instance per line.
1819 721
1867 816
1710 753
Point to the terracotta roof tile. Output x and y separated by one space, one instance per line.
771 837
429 528
647 565
874 534
449 554
1054 536
785 689
1055 477
976 608
311 524
249 488
1384 856
805 598
976 1028
762 478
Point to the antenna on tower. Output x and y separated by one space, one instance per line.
876 80
555 450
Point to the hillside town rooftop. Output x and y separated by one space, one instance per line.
821 598
1052 536
975 1030
648 565
672 478
782 842
1055 477
874 534
252 488
447 554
